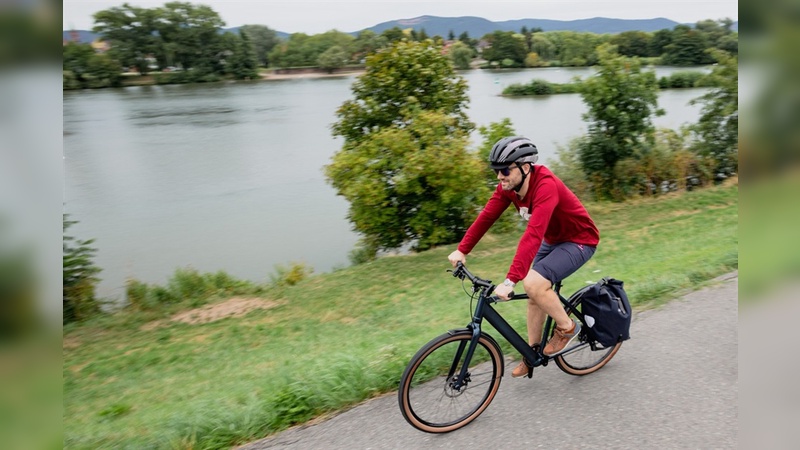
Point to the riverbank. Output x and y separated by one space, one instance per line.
291 74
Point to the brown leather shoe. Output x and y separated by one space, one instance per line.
521 370
561 338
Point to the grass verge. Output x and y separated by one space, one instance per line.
137 379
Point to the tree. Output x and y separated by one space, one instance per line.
461 55
304 50
660 40
240 59
504 45
79 278
471 43
366 43
633 43
576 49
542 46
393 35
76 59
263 39
688 48
402 77
332 58
410 184
193 31
104 71
132 33
403 166
621 101
718 127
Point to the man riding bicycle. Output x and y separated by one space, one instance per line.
559 239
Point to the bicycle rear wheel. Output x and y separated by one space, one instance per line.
585 356
427 398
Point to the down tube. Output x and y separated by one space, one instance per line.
508 332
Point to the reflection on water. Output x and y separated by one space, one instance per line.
228 176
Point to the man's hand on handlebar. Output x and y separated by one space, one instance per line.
504 292
457 257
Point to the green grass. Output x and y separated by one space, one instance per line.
339 338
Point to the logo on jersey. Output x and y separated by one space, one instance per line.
524 213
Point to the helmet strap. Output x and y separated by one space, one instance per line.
524 175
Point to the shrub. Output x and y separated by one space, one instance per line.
79 277
291 275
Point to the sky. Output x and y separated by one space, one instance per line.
314 17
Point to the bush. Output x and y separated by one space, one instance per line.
682 79
187 285
79 277
291 275
541 87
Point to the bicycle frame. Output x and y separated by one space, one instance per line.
484 310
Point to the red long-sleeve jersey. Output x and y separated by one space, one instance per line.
553 212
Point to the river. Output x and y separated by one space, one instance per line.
228 176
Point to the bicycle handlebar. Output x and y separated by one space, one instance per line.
462 273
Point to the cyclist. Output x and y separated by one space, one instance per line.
559 238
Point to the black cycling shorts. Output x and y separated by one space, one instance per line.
557 262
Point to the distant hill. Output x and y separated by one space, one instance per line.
476 27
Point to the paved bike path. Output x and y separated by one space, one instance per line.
673 385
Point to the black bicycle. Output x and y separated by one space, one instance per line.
452 379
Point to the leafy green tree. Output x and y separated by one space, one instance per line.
528 35
576 49
461 55
131 32
366 43
403 166
393 35
105 71
79 278
688 48
304 50
633 43
471 43
451 36
405 76
621 101
542 46
660 40
413 183
718 127
193 31
76 59
506 45
240 58
332 58
263 39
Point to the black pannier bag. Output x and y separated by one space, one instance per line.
607 311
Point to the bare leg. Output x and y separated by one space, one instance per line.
535 322
540 293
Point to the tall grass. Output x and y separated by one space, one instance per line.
338 338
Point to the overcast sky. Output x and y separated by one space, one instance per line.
313 17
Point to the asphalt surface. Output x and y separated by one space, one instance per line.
674 384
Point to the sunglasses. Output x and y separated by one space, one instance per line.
506 171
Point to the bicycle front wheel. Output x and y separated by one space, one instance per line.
584 356
428 398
